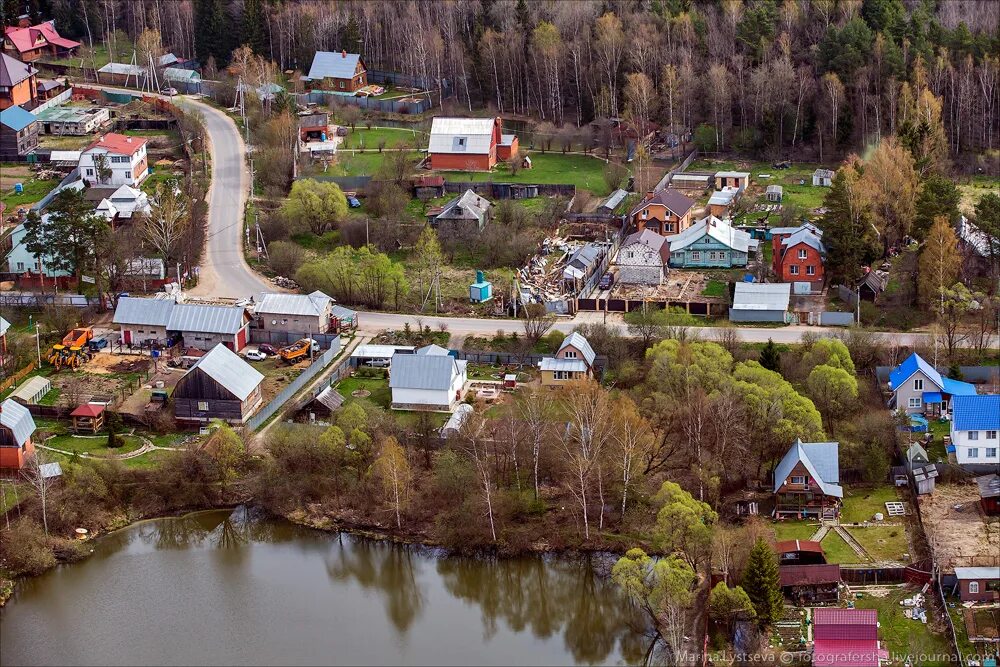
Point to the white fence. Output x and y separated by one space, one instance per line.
295 387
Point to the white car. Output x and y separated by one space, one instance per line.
255 355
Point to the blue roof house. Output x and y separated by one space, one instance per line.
975 422
807 481
918 388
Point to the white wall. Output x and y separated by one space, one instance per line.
435 397
118 169
963 444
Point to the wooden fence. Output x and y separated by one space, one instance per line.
16 377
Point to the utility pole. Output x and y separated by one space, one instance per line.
38 346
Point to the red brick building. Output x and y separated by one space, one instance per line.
978 584
797 255
665 212
465 144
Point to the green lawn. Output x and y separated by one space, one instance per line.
884 542
361 164
94 58
93 446
790 529
381 395
861 504
839 551
803 195
34 190
68 142
936 449
584 171
714 288
903 636
364 138
149 185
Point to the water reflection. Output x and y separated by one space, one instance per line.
221 579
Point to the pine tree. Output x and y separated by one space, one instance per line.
770 358
762 583
212 32
847 229
938 196
253 27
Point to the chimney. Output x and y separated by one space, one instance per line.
343 54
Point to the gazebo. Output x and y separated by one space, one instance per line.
88 418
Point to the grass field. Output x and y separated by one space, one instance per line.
93 446
837 550
973 190
903 636
68 142
584 171
361 164
362 137
34 190
790 529
714 288
381 395
861 504
883 542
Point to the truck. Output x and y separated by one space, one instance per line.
298 350
74 349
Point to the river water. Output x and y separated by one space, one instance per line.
229 588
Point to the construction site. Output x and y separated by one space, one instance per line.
957 530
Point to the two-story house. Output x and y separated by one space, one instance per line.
711 243
642 259
975 422
18 133
798 254
18 83
574 360
124 161
31 42
665 212
807 481
918 388
342 72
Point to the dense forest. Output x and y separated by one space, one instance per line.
802 78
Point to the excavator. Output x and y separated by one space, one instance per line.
297 351
73 350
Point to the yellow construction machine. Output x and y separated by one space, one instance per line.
73 351
297 351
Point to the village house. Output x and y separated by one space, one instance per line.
314 127
665 212
75 121
466 214
125 160
823 177
807 481
16 429
219 385
124 203
31 42
574 360
797 255
711 243
642 258
18 134
732 179
430 380
975 422
18 83
22 261
978 584
846 638
722 200
341 72
873 285
428 187
145 322
464 144
582 264
918 388
299 314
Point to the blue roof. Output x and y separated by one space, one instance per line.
933 397
913 363
958 388
16 118
821 460
334 65
976 413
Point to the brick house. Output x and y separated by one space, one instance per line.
16 429
978 584
665 212
464 144
797 255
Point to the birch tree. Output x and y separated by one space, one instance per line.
588 411
533 409
634 441
33 474
474 443
394 472
169 219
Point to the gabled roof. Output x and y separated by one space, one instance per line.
720 230
911 365
13 71
149 312
876 281
824 173
788 546
469 206
651 240
581 260
225 367
88 410
674 201
16 118
4 325
974 238
24 39
723 197
122 68
821 461
762 296
433 350
194 317
334 65
424 371
314 305
180 74
16 417
463 136
808 575
963 573
732 174
577 340
803 236
119 144
836 623
975 413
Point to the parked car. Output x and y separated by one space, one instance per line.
255 355
97 344
607 280
267 349
353 202
378 363
169 92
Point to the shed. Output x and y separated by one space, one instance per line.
481 290
378 355
508 147
220 385
88 418
823 177
774 193
16 429
343 318
613 201
760 302
989 493
978 584
32 390
50 471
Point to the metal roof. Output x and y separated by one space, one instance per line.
975 413
342 313
577 340
16 417
50 470
568 365
433 350
33 388
121 68
469 206
333 65
4 326
789 546
720 230
674 201
461 135
225 367
809 575
314 304
16 118
204 318
977 572
454 423
424 371
380 351
732 174
616 198
179 74
723 197
804 236
13 71
824 173
65 156
822 462
150 312
762 296
989 486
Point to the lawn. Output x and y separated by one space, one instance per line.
361 164
839 551
936 450
861 504
381 395
34 190
149 184
96 57
900 635
973 190
796 182
93 446
67 142
714 288
584 171
790 529
884 542
364 138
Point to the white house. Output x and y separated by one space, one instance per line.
823 177
429 380
126 159
642 259
21 260
975 422
123 203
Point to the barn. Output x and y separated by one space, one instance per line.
219 385
145 322
464 144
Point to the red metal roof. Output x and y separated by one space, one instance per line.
119 144
87 410
845 653
428 181
809 575
24 39
788 546
845 624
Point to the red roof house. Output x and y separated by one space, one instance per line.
32 42
126 160
799 552
846 638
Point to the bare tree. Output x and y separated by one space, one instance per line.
533 408
634 440
589 411
475 446
33 473
168 220
537 322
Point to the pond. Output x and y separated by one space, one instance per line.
229 587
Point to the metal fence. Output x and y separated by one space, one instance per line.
47 199
282 338
345 182
30 300
408 105
829 318
295 387
508 358
54 101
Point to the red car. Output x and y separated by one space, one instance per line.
267 349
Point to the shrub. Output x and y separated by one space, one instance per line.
26 549
285 258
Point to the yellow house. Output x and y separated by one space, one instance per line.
573 361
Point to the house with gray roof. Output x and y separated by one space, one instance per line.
4 326
220 385
428 380
146 322
711 243
466 144
664 211
823 177
807 481
574 360
340 72
16 429
299 314
468 213
761 302
642 258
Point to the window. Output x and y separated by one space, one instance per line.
569 354
973 452
341 85
128 174
991 435
802 253
914 402
90 172
203 406
794 270
461 141
645 213
991 452
918 385
810 270
973 435
696 256
973 586
630 254
670 226
798 479
20 266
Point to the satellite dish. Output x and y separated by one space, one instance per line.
274 321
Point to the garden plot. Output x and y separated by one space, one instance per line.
956 530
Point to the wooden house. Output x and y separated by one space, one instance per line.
810 584
18 83
873 285
428 187
978 584
665 212
220 385
340 72
18 133
799 552
711 243
463 215
642 258
31 42
16 428
574 360
807 481
88 418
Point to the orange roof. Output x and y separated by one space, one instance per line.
787 546
88 410
118 144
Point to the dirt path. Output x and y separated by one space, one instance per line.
147 446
